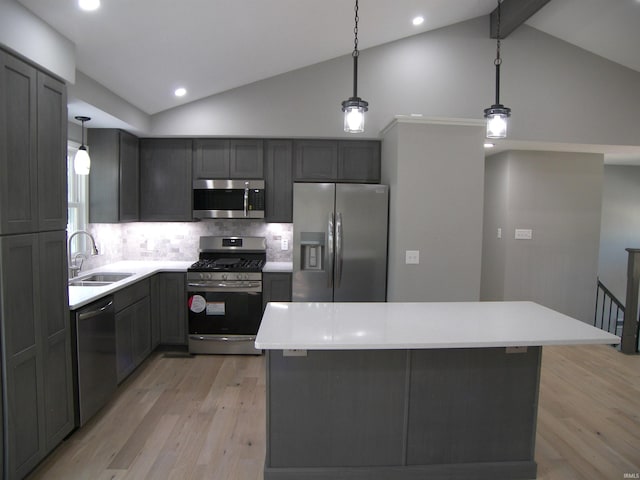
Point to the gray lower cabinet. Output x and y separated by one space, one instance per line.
165 180
228 158
278 178
33 145
402 414
36 348
356 161
133 327
114 193
169 309
276 287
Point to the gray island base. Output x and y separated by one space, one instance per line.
407 391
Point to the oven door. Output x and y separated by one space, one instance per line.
224 317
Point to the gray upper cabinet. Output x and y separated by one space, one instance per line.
52 154
354 161
165 180
33 145
114 179
316 160
224 158
359 161
278 177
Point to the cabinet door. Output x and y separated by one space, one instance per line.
141 331
173 308
276 287
124 342
154 293
56 332
211 159
165 180
129 196
279 181
359 161
18 160
316 160
104 179
52 154
246 159
21 354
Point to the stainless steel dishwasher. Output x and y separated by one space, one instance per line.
95 357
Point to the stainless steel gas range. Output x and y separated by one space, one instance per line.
224 295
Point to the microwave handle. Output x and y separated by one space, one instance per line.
246 198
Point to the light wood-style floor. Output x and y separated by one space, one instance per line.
204 418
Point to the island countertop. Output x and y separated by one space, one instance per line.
420 325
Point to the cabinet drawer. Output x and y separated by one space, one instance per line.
129 295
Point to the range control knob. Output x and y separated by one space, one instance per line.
224 276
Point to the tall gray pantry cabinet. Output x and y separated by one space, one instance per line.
35 337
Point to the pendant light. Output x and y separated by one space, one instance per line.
497 114
354 107
82 162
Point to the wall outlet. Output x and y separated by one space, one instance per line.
284 244
499 232
524 234
294 353
412 257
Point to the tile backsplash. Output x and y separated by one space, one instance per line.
179 240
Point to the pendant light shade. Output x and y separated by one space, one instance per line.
82 161
497 114
354 107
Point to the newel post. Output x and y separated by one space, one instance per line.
629 342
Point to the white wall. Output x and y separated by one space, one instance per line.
557 196
30 37
620 225
435 173
556 91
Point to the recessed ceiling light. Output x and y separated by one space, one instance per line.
489 145
180 92
418 20
89 5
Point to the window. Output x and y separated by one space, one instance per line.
77 199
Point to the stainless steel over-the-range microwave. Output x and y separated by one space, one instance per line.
228 199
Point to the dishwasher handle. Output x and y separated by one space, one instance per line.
95 312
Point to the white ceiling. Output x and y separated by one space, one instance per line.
142 50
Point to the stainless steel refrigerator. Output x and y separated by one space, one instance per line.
340 242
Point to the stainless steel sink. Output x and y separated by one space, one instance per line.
87 283
98 279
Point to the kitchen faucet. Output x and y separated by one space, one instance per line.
75 262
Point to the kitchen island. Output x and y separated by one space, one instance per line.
407 390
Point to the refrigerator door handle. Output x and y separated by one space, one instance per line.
338 249
329 256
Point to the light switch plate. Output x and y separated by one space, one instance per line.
524 234
284 244
412 257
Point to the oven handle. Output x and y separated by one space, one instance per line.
224 287
230 339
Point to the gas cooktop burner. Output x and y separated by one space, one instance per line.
228 265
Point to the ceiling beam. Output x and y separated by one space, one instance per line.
514 13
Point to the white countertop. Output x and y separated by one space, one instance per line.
80 296
355 326
278 267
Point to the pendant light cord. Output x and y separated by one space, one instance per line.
355 53
498 61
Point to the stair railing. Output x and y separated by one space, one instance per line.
609 314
